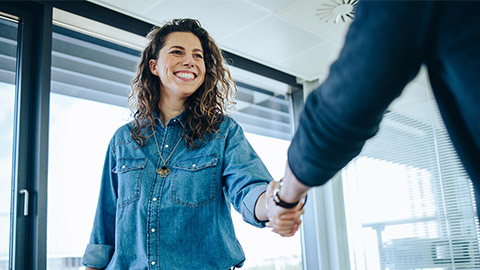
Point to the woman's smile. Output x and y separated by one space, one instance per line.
185 75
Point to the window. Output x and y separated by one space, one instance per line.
80 131
409 203
8 52
90 84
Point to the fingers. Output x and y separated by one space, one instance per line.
285 222
284 229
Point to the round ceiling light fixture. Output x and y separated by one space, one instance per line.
336 10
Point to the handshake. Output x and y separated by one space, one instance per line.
285 200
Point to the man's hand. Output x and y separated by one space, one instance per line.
285 222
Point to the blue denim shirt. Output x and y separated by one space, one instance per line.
183 221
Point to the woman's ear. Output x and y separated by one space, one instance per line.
153 66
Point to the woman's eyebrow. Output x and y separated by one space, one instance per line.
177 47
182 48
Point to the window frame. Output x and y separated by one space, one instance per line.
30 143
326 248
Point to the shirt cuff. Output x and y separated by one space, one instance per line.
248 205
97 256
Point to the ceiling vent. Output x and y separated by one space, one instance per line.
336 10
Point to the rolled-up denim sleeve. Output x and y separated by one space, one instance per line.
101 247
248 205
97 256
245 175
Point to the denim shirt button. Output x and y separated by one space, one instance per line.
154 199
166 145
153 230
194 165
153 262
123 167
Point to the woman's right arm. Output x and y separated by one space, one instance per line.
101 246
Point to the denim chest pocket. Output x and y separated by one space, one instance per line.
129 173
194 181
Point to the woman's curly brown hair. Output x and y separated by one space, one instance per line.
204 109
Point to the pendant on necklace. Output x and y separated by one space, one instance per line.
163 171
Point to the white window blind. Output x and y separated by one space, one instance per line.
409 203
8 51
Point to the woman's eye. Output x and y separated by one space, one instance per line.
198 56
176 52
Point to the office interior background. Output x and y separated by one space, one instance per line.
65 71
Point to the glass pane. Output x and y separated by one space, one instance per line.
263 248
409 202
80 131
90 84
8 52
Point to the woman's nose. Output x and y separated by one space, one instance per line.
188 61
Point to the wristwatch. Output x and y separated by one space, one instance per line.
278 201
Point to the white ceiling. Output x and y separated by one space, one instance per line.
289 35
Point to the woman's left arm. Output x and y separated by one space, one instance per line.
245 176
247 184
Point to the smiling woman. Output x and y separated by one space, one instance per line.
165 202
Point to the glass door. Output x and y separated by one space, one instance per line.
8 52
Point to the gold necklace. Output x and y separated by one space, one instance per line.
164 171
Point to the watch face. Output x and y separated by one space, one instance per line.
276 190
276 198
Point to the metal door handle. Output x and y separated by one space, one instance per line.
25 201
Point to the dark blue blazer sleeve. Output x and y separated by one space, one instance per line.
383 51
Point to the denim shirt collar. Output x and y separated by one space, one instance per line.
180 118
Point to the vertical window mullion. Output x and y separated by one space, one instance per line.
28 230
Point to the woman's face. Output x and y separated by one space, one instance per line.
180 66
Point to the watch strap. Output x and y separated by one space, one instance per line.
278 201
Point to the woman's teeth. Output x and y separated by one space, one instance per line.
185 75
